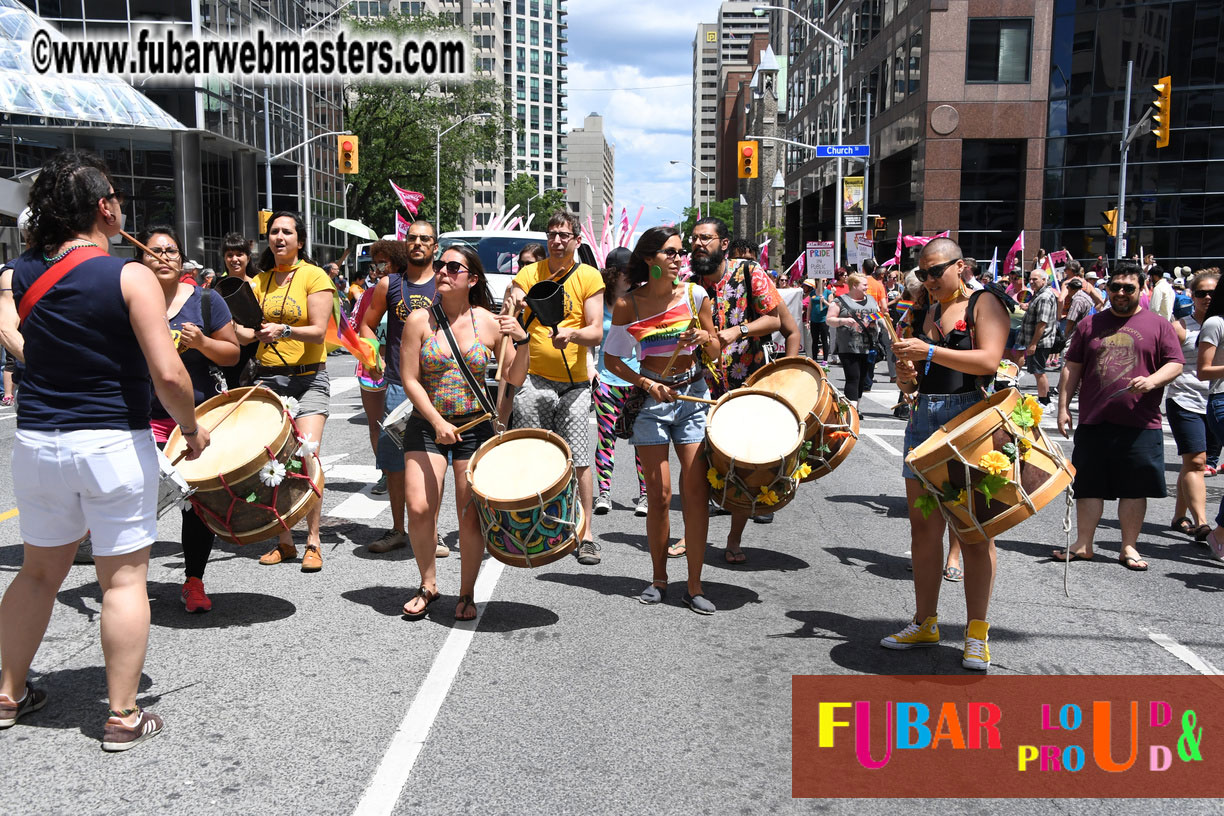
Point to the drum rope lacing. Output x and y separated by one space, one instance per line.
531 532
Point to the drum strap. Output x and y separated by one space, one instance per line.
477 388
560 282
52 276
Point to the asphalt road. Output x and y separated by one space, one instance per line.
304 693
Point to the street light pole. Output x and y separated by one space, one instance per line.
534 197
841 110
438 167
705 176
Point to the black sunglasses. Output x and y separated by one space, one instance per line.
671 252
451 267
1203 292
1128 288
936 271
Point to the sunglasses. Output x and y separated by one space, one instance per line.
1128 288
119 197
670 253
380 265
935 272
449 267
1202 293
418 239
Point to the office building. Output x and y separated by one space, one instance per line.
590 170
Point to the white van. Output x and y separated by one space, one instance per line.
499 251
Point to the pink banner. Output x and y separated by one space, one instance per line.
763 258
408 198
923 240
1016 248
401 227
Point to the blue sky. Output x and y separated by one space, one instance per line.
645 50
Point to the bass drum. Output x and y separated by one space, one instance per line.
753 442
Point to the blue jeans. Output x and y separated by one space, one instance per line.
928 413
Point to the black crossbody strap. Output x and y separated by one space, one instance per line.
476 387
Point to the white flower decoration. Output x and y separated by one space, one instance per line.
291 405
307 446
272 473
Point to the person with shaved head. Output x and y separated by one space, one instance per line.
955 349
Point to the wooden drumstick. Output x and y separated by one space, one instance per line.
703 400
467 426
676 352
224 417
139 245
888 325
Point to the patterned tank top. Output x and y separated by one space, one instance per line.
445 384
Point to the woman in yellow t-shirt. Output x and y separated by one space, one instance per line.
296 298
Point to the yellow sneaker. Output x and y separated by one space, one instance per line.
915 635
977 647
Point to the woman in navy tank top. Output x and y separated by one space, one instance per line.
83 456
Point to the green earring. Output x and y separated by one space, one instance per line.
656 272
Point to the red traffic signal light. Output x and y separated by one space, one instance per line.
746 156
346 146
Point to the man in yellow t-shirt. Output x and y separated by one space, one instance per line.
557 393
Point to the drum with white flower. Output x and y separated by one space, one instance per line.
258 475
990 467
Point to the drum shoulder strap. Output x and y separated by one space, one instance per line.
476 387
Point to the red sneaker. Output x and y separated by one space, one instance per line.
193 596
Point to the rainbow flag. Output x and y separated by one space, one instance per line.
904 305
340 333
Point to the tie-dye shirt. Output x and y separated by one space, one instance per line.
656 336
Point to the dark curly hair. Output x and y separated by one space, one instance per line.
266 259
64 199
648 246
396 252
479 294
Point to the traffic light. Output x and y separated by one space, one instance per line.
747 157
346 146
1161 116
1111 222
264 215
881 222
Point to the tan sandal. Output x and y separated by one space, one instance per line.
276 556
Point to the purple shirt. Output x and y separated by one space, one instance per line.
1114 350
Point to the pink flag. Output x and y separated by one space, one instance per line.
763 258
624 222
801 266
1017 247
408 198
923 240
401 227
897 257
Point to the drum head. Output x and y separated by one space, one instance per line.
243 435
797 380
399 413
755 429
517 469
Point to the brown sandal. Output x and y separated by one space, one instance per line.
429 597
278 555
465 600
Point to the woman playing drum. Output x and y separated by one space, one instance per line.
955 345
204 336
666 320
443 402
296 299
83 457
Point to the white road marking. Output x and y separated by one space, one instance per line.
393 771
1183 653
330 459
874 437
341 385
363 505
883 431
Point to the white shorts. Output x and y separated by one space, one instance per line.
100 481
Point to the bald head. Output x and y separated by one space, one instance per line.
939 250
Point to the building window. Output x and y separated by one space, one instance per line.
999 50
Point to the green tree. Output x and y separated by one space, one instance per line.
724 209
545 204
398 126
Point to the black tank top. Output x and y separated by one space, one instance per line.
939 379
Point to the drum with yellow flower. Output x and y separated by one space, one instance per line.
753 443
990 467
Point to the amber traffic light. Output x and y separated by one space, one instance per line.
1160 116
264 215
747 154
346 146
1111 222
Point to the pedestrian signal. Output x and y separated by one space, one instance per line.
747 154
1111 222
1161 114
346 146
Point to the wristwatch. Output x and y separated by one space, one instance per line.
287 331
743 330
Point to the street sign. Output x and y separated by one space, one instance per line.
820 259
843 151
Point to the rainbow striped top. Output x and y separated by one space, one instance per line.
656 336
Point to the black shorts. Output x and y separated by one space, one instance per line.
1035 363
1190 430
1118 462
419 436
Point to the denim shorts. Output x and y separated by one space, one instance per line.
1190 430
679 422
928 413
389 458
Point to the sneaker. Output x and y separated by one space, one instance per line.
312 560
380 487
84 553
390 540
639 509
699 604
977 646
588 553
915 635
193 596
602 504
120 737
763 518
441 550
11 711
1044 400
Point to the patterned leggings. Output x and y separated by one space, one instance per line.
609 400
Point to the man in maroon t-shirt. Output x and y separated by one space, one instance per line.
1120 360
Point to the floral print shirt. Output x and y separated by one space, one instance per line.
744 279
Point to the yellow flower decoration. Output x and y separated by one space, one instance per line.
712 478
962 497
804 471
1025 447
995 462
767 496
1035 408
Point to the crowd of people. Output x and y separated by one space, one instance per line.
644 342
